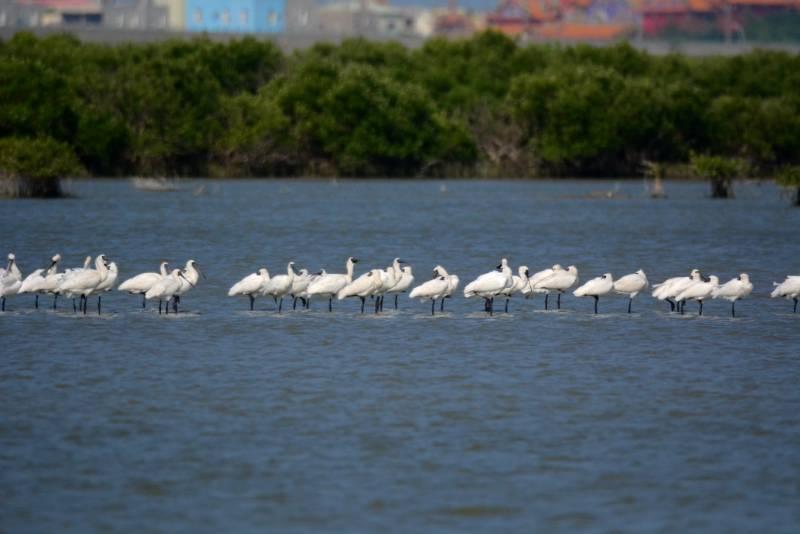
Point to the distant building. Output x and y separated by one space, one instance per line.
235 16
367 17
135 15
300 15
39 13
176 10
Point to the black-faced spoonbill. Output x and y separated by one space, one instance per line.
698 291
251 285
141 283
489 285
789 288
733 290
596 288
10 280
329 284
435 288
631 285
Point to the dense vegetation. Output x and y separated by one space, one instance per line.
484 106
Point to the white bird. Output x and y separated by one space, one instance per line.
304 293
559 281
32 284
107 284
52 279
404 278
596 288
489 285
251 285
733 290
789 289
279 286
534 280
330 284
366 285
82 282
631 285
672 287
518 283
452 284
433 289
141 283
389 278
10 281
698 291
166 289
191 276
299 286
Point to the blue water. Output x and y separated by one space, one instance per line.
221 419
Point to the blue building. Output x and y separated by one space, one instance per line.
234 16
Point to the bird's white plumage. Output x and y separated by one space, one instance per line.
251 284
631 284
281 285
330 284
491 284
140 283
699 290
166 288
734 289
789 288
558 280
364 286
596 287
433 289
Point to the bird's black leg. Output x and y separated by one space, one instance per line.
630 302
506 306
55 299
3 304
37 302
546 297
294 303
280 305
491 306
671 305
596 298
377 304
433 306
700 312
733 308
99 299
252 301
175 301
441 306
395 301
558 301
144 301
363 300
330 304
795 305
159 306
166 307
85 303
680 306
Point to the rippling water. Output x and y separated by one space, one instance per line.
221 419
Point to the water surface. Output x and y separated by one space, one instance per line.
225 419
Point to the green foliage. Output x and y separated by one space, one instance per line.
193 107
716 167
34 166
789 176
